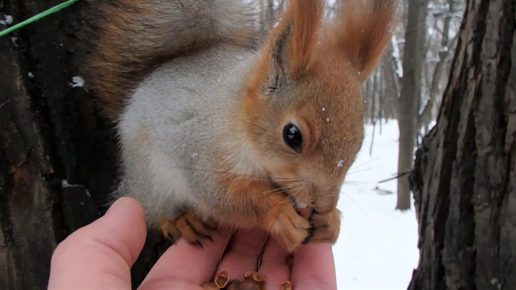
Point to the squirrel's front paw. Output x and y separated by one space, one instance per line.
189 225
325 227
287 227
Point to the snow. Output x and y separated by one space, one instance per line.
77 82
65 184
8 20
397 56
377 246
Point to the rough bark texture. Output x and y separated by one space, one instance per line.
413 57
464 179
57 157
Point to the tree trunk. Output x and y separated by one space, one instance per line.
57 157
392 90
464 179
408 107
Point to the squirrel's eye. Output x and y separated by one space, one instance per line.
293 137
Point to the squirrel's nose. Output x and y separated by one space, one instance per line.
326 201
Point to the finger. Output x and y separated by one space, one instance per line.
242 253
314 268
169 284
274 265
100 255
185 262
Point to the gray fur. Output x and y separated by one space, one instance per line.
179 110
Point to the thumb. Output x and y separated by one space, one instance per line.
100 255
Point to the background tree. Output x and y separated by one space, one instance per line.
413 57
464 178
413 76
433 83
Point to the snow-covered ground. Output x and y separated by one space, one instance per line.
377 247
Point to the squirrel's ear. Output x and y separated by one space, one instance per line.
292 42
362 31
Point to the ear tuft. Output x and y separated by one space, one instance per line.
293 41
363 30
306 15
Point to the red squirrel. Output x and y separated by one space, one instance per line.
221 125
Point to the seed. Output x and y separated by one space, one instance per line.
286 285
254 276
249 285
233 285
222 279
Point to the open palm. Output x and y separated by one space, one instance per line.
100 255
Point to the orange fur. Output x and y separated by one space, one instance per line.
321 69
300 22
362 32
306 74
306 21
124 40
189 226
254 202
327 227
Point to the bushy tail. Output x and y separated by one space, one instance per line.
125 39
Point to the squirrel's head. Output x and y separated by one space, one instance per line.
303 100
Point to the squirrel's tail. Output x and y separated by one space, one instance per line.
124 39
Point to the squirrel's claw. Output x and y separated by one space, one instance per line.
190 226
325 227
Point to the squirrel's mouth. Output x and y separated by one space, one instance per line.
300 205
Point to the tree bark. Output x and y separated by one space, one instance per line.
25 201
464 179
411 82
57 157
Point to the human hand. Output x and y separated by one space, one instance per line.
100 255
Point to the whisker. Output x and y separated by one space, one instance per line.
297 194
365 163
274 190
288 189
287 179
292 181
358 171
350 182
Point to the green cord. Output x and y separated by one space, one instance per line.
37 17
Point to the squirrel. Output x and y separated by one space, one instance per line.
220 124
